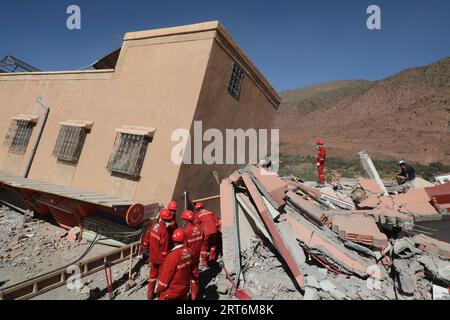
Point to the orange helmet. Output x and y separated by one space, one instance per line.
320 141
172 205
199 206
178 235
188 215
166 214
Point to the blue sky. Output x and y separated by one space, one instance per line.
294 43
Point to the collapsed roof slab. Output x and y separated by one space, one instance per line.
316 241
275 234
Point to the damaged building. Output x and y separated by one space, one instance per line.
103 136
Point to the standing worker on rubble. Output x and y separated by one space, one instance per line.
173 207
158 243
175 278
210 226
407 173
320 160
194 239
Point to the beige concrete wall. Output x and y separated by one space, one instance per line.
218 109
156 84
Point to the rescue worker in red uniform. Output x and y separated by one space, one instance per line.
158 242
194 239
175 277
210 226
320 160
173 207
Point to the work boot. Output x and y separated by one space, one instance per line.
194 290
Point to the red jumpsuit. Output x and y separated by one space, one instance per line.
194 239
175 277
209 222
170 229
158 248
320 159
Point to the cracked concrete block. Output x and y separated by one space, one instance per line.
406 279
323 273
327 285
405 247
310 293
312 282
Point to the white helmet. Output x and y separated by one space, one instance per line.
401 162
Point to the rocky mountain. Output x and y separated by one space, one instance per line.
405 116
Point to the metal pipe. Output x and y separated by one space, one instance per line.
42 123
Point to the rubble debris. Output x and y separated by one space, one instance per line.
319 242
437 268
360 229
439 248
228 222
370 169
312 248
370 185
313 212
405 247
74 234
279 243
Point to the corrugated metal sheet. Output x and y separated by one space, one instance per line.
68 192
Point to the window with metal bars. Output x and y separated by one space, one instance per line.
236 80
18 136
128 154
69 143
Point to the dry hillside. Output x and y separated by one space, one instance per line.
404 116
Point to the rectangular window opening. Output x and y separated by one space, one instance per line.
128 154
69 143
18 135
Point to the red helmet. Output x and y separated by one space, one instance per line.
178 235
199 206
166 214
320 141
172 205
188 215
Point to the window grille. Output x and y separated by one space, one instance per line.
128 154
69 143
18 136
236 80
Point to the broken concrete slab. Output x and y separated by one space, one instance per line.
74 234
417 203
370 185
372 201
370 169
279 243
273 184
291 242
436 268
273 212
309 209
360 229
335 253
432 245
228 221
310 293
405 248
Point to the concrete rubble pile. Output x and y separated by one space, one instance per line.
285 239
